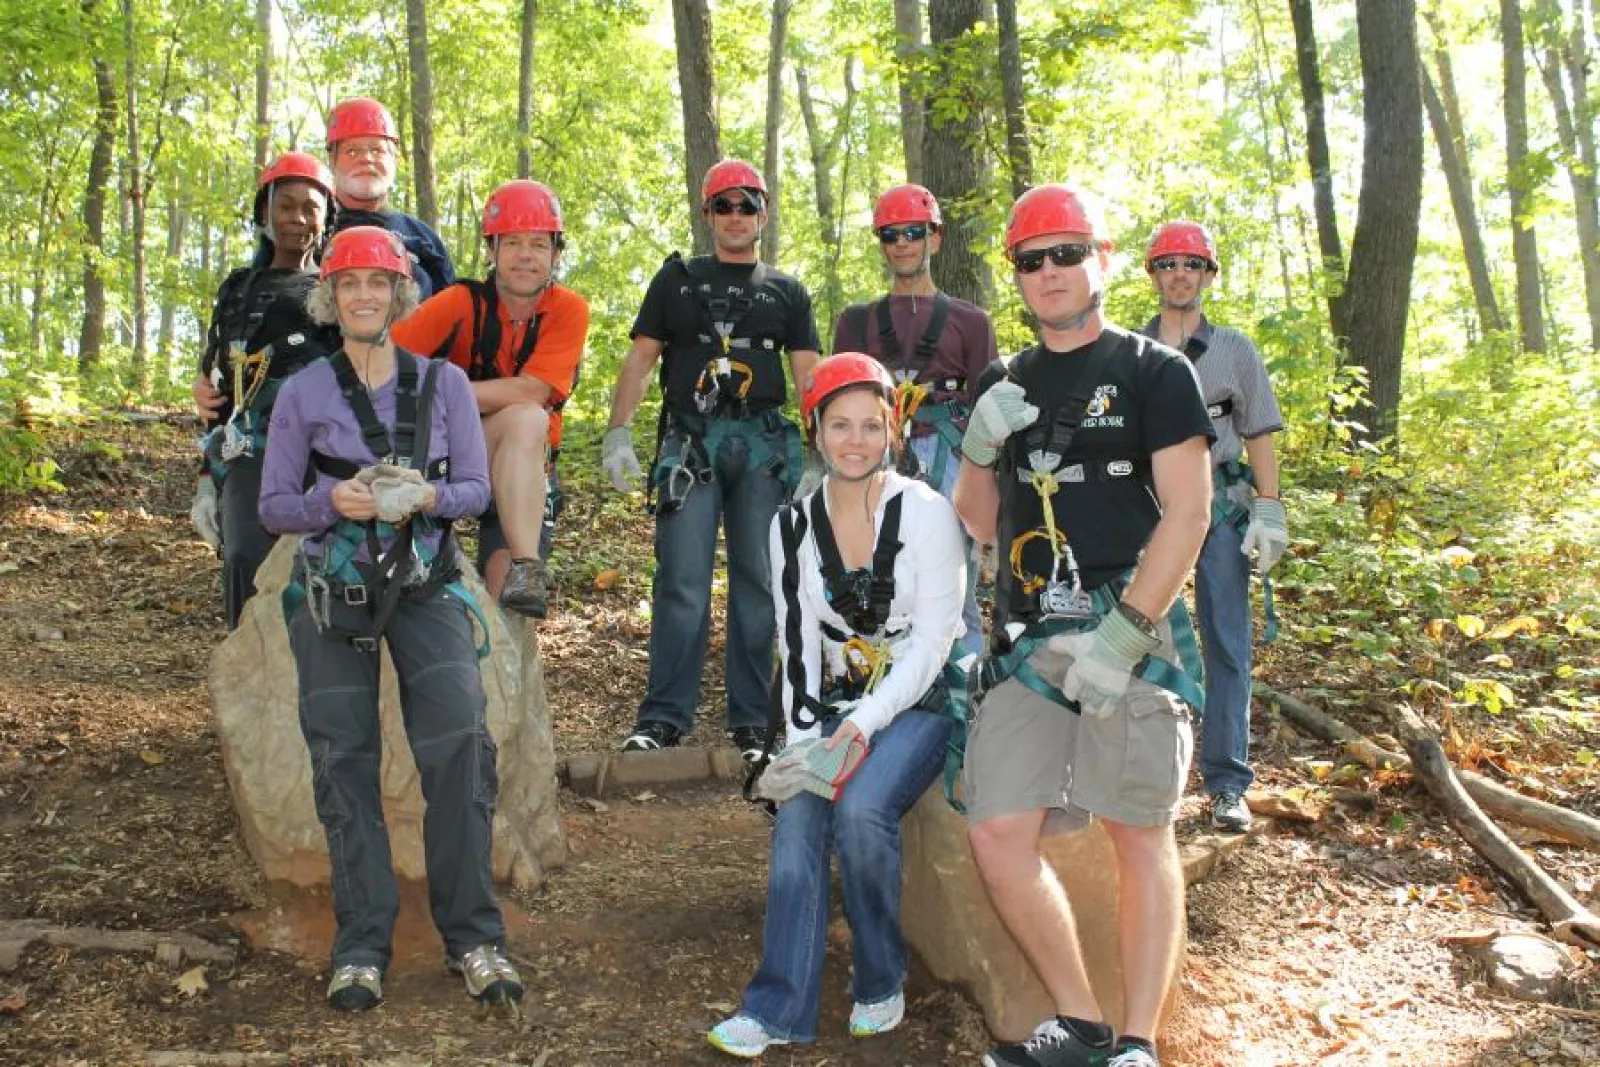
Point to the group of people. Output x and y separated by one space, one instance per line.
1103 463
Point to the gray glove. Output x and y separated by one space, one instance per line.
1268 532
398 491
1103 660
812 766
619 460
206 513
785 777
998 414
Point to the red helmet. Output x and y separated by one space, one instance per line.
1055 209
838 372
1181 238
731 174
906 203
292 166
360 116
522 207
366 246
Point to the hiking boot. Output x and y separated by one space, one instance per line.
355 988
1133 1056
489 976
751 741
1229 813
1050 1045
870 1020
742 1036
651 735
527 588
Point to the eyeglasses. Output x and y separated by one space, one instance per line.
723 206
1065 255
1167 264
377 150
915 231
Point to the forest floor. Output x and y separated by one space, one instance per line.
1327 942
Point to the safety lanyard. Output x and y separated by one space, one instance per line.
723 379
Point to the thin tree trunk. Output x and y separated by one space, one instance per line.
702 136
177 223
41 251
825 148
1524 242
137 369
1383 250
1266 88
952 161
907 43
770 160
530 18
91 335
263 82
1456 176
427 206
1019 149
1321 164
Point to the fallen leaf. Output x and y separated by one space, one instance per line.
1435 628
152 757
14 1003
1470 625
646 795
607 578
7 568
1457 556
1511 627
193 982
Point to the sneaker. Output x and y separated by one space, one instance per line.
742 1036
1051 1045
355 988
1229 813
527 588
751 741
869 1020
651 735
489 976
1133 1056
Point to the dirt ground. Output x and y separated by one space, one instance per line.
1320 943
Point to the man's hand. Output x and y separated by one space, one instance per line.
1103 660
354 501
206 512
618 459
208 399
998 414
1267 534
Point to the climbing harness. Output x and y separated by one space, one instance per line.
940 403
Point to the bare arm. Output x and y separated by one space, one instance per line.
801 364
977 500
633 379
1182 475
498 393
1263 464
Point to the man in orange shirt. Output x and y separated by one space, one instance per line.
519 336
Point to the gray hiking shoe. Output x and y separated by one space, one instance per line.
1050 1045
1229 813
527 588
489 976
355 988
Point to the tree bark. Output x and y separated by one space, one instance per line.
1383 251
770 160
530 18
697 87
91 334
1019 149
1320 161
1524 242
263 82
138 367
1267 90
952 161
1452 158
427 205
907 44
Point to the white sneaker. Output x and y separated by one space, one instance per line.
742 1036
869 1020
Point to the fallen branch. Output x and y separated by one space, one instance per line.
169 948
1552 820
1569 920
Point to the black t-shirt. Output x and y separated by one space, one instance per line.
779 319
1146 399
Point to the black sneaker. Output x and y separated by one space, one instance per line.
751 741
527 588
1229 813
1050 1045
651 735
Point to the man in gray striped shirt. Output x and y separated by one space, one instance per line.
1182 262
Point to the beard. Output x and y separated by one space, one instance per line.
365 186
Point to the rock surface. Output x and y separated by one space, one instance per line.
254 700
1526 966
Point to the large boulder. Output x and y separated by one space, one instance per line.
953 929
254 700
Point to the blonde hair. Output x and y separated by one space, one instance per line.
324 311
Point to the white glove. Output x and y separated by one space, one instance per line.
619 460
398 498
206 512
998 414
1267 534
810 476
1103 660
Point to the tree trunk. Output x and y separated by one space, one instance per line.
824 149
91 335
263 82
171 269
1452 158
41 256
770 161
530 17
1524 242
138 368
907 43
1267 90
1019 150
1383 250
1321 163
953 165
697 87
427 206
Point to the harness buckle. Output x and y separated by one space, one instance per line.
317 594
354 595
364 644
236 443
1066 600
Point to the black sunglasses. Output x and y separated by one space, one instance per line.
1167 264
723 206
915 231
1065 255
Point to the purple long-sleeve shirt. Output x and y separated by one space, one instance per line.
312 414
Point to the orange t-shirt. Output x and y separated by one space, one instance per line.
563 329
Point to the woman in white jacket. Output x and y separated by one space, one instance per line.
868 576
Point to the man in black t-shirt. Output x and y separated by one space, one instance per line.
1085 460
724 454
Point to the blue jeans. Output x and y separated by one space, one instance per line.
863 827
743 496
245 544
925 448
1222 614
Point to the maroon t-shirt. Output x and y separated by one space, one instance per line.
966 346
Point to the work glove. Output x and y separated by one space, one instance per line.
810 476
1268 532
1103 660
206 512
998 414
815 766
619 460
785 777
397 491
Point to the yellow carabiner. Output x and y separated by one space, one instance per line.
908 397
864 659
1058 542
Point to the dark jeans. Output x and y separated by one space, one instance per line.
245 544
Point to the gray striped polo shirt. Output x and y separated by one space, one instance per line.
1234 381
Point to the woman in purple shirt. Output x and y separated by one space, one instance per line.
372 453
